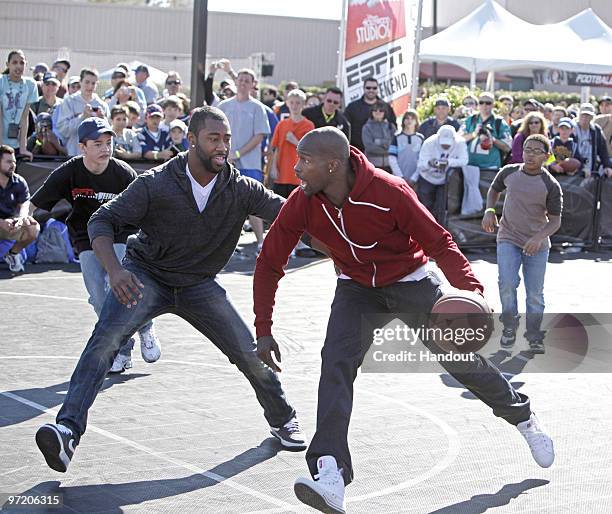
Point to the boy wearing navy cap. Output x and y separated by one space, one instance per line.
88 181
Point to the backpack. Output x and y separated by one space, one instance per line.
53 244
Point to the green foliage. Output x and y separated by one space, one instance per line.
431 92
455 94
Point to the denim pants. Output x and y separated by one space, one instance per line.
344 350
510 257
96 283
207 307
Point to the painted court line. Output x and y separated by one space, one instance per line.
449 432
177 462
10 293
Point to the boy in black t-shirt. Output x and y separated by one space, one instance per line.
86 182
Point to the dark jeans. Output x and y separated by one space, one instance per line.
433 197
207 307
344 350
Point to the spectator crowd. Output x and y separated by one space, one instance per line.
41 116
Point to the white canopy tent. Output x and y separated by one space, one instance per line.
157 76
491 38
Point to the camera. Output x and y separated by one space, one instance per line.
484 135
484 131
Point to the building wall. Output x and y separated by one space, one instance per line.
101 35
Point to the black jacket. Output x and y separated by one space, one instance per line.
315 114
430 126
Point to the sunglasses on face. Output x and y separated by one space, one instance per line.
371 88
485 102
469 104
173 82
534 151
335 102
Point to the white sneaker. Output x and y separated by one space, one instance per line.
150 347
121 363
15 262
326 492
539 442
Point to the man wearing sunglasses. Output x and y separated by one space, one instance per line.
358 112
487 135
328 114
61 67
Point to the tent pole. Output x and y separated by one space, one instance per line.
342 46
415 60
490 86
473 75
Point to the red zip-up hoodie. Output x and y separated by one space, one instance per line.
381 234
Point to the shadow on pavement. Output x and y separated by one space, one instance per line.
113 497
50 397
509 365
37 269
483 502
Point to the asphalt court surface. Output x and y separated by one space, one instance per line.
186 434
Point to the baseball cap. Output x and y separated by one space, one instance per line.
50 76
121 70
485 95
44 117
93 128
154 110
62 61
587 108
142 67
605 98
178 123
442 101
74 79
229 85
446 135
41 67
566 122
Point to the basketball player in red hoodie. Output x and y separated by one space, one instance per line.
380 238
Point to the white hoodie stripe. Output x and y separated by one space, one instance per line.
386 209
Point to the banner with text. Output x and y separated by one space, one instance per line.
379 43
568 78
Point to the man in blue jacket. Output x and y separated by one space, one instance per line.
190 213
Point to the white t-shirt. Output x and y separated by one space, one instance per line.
200 193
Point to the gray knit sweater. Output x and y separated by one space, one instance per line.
176 243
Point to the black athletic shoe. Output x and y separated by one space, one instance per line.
536 346
508 338
290 435
57 444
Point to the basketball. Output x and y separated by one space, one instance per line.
570 165
462 322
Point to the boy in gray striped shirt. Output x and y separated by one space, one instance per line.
531 214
